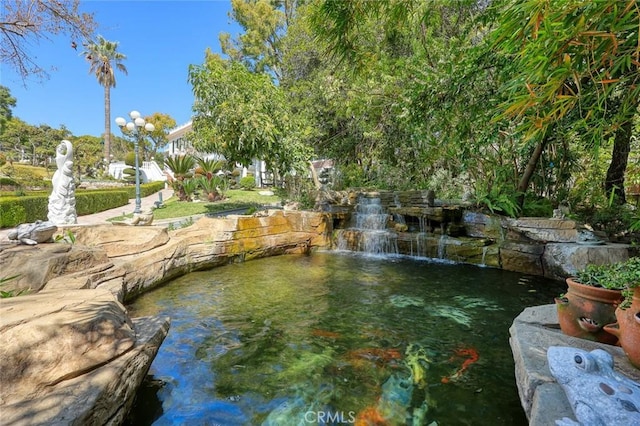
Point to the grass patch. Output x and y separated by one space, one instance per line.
235 199
38 171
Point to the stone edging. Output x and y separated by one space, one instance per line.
542 398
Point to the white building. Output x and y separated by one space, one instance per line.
177 144
177 141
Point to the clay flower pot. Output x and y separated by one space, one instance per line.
628 329
584 311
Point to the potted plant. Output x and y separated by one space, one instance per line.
627 314
591 301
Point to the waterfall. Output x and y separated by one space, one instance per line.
484 255
370 234
442 246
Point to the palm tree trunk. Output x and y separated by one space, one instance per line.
107 125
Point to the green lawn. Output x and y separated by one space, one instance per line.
235 199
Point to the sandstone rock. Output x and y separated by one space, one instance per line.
476 251
522 257
50 337
436 214
481 225
36 265
102 396
211 242
544 230
120 241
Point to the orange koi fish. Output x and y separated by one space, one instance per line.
370 416
376 354
325 333
471 356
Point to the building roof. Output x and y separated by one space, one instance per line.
179 131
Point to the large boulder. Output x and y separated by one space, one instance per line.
34 266
54 336
72 357
542 230
562 260
522 257
117 241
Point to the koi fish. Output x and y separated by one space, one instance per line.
370 416
376 354
471 356
325 333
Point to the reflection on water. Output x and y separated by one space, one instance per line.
337 339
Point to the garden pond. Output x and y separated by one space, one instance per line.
337 338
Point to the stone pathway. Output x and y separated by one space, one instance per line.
101 217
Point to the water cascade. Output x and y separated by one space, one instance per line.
369 233
410 223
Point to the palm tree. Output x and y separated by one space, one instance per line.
104 58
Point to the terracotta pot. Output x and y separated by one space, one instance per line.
585 310
628 329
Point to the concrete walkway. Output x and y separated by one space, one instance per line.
146 202
101 217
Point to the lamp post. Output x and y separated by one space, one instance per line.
136 123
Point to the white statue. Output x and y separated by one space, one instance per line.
62 201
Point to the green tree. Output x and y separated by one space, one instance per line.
243 116
163 124
104 59
120 146
408 102
28 22
264 23
578 68
36 144
6 103
87 155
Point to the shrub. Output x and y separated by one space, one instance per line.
96 201
247 183
17 210
7 181
130 159
27 176
35 206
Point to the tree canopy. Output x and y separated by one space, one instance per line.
244 116
507 103
28 22
7 102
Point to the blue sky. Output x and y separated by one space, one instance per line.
160 39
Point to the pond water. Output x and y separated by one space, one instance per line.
337 338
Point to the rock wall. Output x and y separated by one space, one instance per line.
69 353
422 226
128 260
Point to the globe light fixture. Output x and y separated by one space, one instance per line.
135 126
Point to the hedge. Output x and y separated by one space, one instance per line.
16 210
146 189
